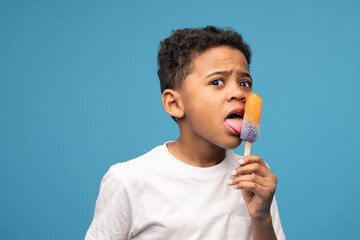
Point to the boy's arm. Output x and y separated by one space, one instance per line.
112 217
258 185
263 228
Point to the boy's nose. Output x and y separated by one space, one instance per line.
236 94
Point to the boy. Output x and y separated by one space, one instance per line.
194 187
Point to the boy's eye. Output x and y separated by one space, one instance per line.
217 82
245 84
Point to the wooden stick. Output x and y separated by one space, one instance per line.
247 148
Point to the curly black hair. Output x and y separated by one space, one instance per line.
177 52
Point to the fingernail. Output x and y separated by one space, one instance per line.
241 161
233 172
230 181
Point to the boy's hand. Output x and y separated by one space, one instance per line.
257 184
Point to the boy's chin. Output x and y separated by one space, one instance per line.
231 144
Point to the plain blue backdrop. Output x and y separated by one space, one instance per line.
79 92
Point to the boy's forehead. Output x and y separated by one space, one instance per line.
220 57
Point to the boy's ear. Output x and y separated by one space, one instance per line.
171 101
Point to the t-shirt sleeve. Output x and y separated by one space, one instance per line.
112 216
276 221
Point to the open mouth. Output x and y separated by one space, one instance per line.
235 115
233 122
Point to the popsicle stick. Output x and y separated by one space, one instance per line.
247 148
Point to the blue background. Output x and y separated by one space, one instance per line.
79 92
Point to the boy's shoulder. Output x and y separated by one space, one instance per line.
139 165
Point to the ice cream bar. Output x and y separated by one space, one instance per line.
251 122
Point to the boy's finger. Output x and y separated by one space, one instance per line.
252 187
256 168
249 178
252 159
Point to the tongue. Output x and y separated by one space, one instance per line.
234 123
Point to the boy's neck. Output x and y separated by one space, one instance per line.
195 154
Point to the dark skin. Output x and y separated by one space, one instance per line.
219 83
258 185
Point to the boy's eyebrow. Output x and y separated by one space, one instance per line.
244 74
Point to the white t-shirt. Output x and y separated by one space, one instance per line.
157 196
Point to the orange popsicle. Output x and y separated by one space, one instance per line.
251 122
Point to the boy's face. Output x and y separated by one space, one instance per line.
217 87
